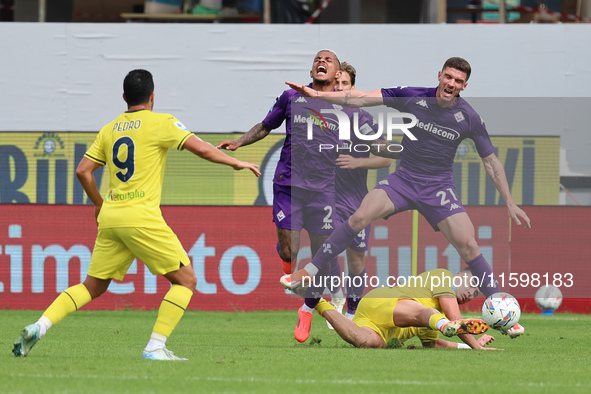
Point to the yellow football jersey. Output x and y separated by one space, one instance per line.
428 286
135 146
376 307
425 288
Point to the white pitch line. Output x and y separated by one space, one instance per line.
302 381
584 318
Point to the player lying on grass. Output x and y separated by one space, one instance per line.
415 309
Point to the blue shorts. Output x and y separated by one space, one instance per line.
435 200
295 209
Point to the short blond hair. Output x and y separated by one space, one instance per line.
349 69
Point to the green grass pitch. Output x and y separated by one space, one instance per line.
99 352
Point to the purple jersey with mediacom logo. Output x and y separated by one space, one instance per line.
423 179
304 178
439 131
302 162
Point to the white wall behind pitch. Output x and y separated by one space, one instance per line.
224 77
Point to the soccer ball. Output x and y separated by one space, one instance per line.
501 311
548 298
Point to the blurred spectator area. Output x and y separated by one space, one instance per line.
486 11
455 11
427 11
95 10
70 10
299 11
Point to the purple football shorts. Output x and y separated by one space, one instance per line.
295 209
435 200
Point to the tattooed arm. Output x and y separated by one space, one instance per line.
256 133
351 98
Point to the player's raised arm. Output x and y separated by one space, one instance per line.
207 151
256 133
349 98
496 172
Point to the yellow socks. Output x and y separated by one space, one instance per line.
72 299
323 306
172 309
434 319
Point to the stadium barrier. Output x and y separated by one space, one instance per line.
39 168
46 248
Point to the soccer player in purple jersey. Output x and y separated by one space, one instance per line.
325 67
351 187
423 178
303 185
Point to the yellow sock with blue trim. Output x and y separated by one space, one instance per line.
72 299
172 309
434 319
323 306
